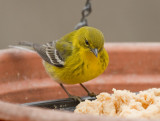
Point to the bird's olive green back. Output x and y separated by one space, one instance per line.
64 45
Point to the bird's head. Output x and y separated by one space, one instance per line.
90 39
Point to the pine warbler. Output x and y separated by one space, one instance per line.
75 58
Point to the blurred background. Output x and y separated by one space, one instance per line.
47 20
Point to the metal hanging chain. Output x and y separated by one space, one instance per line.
85 12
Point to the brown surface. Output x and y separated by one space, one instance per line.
23 79
14 112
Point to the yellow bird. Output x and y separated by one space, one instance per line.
77 57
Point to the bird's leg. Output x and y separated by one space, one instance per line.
69 95
91 94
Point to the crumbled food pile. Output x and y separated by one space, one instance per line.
123 103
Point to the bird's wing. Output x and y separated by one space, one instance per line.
55 53
49 53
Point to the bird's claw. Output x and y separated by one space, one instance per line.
92 94
76 98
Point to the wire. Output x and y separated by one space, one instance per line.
85 13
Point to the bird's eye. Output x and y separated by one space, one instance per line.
86 41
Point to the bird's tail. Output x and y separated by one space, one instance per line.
23 45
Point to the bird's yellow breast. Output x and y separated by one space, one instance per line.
80 68
92 65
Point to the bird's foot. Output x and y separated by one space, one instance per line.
76 98
92 94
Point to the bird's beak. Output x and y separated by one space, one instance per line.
95 52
